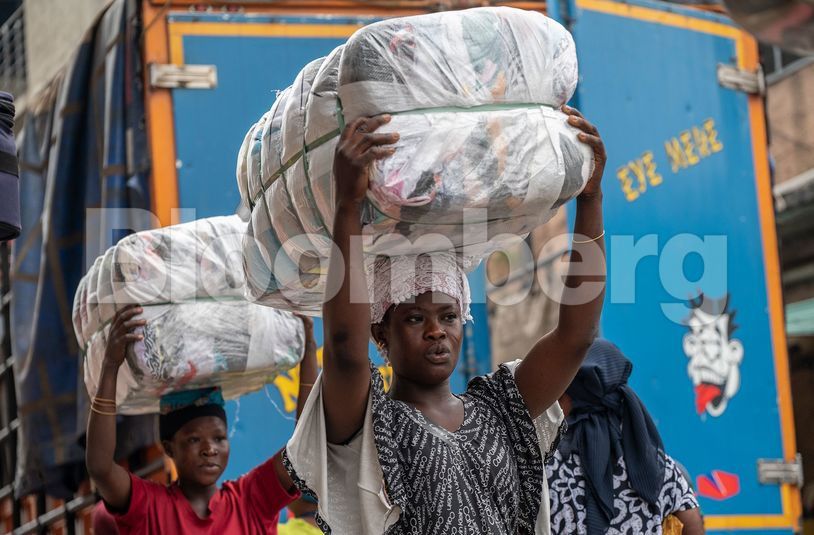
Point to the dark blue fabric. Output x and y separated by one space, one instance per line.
9 183
73 157
607 421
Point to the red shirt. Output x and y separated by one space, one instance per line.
250 505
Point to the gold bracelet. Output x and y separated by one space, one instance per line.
97 398
306 384
591 240
97 411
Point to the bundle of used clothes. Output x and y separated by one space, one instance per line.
484 149
200 330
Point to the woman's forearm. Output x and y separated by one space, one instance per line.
101 439
584 292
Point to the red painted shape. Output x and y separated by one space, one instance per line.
704 393
721 486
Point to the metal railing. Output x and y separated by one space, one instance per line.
12 54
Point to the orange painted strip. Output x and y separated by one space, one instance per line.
249 29
749 522
792 504
160 126
660 17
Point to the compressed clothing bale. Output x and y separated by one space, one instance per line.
271 154
280 270
242 168
474 96
462 59
238 346
322 135
298 184
183 262
200 330
262 284
254 159
296 217
92 318
79 312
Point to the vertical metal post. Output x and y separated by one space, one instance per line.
42 508
9 448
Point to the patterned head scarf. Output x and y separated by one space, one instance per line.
179 408
397 279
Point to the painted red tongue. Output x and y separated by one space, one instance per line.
705 393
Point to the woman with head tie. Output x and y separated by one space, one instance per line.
419 459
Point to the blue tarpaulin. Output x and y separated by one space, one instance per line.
82 147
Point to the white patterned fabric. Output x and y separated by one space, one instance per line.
566 482
370 486
398 279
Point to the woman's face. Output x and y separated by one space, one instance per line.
423 339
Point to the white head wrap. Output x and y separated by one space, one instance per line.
397 279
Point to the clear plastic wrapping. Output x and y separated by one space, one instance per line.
200 329
475 97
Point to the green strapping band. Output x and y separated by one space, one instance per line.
291 161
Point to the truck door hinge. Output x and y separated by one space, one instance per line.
780 472
751 82
169 76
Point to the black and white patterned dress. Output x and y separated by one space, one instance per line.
484 478
566 482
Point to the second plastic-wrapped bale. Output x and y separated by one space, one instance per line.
235 345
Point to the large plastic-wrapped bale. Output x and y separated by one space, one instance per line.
278 271
200 330
457 59
248 171
242 169
271 153
318 242
262 284
322 134
295 216
238 346
475 96
106 299
79 311
94 320
189 261
273 201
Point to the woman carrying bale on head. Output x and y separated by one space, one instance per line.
419 459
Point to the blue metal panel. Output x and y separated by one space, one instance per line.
209 126
645 85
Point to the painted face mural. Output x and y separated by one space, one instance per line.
714 356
